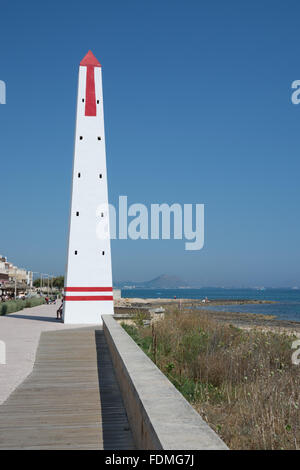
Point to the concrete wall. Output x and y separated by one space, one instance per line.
159 415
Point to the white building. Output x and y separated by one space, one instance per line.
11 273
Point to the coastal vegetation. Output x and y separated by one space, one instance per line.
11 306
242 382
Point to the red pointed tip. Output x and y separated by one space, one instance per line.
90 59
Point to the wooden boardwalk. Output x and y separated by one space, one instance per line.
71 400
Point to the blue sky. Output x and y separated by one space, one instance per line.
197 98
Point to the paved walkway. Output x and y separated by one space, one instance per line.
71 400
21 332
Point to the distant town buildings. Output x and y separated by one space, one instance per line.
11 274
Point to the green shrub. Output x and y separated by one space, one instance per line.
12 306
3 309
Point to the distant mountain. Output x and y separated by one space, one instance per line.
161 282
166 282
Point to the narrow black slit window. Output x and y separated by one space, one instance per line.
77 213
102 215
82 100
97 101
81 137
79 175
100 176
103 252
75 252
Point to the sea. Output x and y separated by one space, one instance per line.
287 306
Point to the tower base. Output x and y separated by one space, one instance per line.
86 312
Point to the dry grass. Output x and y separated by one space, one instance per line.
243 383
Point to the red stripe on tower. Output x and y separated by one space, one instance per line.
88 289
90 62
88 297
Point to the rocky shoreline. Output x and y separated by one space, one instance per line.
139 302
238 319
254 320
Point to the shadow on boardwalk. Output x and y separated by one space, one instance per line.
33 317
116 433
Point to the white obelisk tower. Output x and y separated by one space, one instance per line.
88 281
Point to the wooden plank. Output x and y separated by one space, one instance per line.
71 400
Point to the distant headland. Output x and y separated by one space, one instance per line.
163 281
